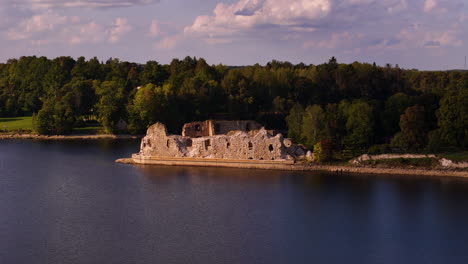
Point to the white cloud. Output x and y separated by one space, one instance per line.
169 42
418 36
247 14
253 17
37 24
343 40
429 5
119 29
86 33
48 4
51 27
154 29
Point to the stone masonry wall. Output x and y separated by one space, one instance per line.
217 127
255 145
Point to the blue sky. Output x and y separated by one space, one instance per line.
423 34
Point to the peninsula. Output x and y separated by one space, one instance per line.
243 144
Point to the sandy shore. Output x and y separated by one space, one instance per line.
68 137
299 167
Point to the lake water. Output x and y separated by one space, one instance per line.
68 202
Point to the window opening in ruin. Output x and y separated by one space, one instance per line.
250 146
197 128
247 127
207 144
167 143
188 143
261 158
270 148
217 128
250 158
228 145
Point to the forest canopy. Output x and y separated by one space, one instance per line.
351 108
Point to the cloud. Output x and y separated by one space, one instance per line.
170 42
249 14
429 5
342 25
154 29
419 36
85 33
119 29
35 25
251 17
49 4
51 27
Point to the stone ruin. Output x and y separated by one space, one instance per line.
233 140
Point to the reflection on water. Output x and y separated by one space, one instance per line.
68 202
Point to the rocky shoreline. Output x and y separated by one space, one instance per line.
67 137
301 167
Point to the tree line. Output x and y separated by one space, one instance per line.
347 108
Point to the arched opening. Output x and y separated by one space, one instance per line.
270 148
250 146
168 143
228 145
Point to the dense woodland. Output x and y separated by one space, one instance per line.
341 109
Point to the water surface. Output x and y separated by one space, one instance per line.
68 202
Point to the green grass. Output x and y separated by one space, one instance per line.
88 130
456 156
402 162
16 123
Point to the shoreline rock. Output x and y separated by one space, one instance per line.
249 164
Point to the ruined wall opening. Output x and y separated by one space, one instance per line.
197 128
188 143
207 144
250 146
168 143
228 145
270 148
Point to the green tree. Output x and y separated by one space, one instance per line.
452 118
314 125
294 122
359 126
110 107
413 135
395 106
146 108
44 120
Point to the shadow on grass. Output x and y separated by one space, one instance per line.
9 119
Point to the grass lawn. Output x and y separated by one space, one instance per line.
16 123
457 156
88 130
